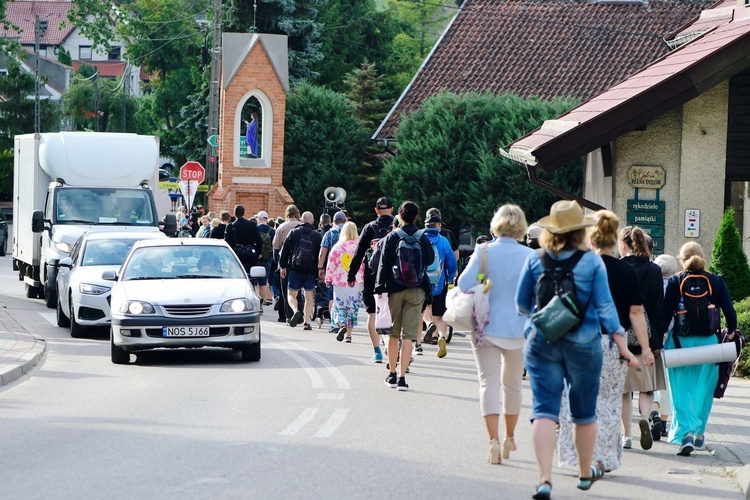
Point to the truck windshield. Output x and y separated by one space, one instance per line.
115 206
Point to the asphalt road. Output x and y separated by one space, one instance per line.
312 419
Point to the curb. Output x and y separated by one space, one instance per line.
24 363
743 478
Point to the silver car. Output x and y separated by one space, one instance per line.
83 298
184 293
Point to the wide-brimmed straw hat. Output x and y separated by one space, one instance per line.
565 216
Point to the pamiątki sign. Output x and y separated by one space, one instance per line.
648 214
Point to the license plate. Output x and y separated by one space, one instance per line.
185 331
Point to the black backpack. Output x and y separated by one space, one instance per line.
304 258
702 316
557 279
380 233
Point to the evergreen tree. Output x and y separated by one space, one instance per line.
728 259
323 146
448 158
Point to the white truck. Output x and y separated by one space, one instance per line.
66 183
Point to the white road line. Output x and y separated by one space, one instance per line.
51 317
332 424
315 379
330 395
341 380
293 428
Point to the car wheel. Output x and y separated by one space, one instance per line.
4 246
76 330
450 335
251 352
50 295
119 355
32 292
62 320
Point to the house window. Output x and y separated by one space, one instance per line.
114 54
84 52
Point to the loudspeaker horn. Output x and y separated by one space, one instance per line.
341 198
331 194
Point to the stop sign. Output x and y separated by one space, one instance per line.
192 171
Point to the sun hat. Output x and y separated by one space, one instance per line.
565 216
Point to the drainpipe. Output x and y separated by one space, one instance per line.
559 192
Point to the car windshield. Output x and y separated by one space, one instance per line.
106 252
125 207
184 262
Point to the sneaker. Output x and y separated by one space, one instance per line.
391 380
442 349
402 385
700 443
657 425
627 443
419 350
687 446
431 327
348 339
281 320
647 440
296 319
665 429
342 332
378 357
333 329
268 302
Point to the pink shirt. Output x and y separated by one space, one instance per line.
339 259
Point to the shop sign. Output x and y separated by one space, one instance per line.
645 177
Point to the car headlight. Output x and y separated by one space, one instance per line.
89 289
63 247
137 307
236 305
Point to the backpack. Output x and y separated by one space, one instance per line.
435 270
702 316
265 253
380 233
408 269
557 279
303 257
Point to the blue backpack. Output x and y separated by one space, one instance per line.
435 270
408 270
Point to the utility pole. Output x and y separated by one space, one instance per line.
96 101
214 95
40 27
125 91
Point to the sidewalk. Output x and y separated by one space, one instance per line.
19 351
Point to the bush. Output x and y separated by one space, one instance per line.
742 308
728 258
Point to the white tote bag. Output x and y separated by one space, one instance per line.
460 305
383 321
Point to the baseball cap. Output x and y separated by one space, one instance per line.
383 202
262 215
433 211
433 218
534 231
339 217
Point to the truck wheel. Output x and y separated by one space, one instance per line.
32 292
62 320
119 355
76 330
50 295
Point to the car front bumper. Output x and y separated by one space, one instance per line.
134 333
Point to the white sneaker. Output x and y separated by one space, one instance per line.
627 443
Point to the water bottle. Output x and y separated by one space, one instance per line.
680 319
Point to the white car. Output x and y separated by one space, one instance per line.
83 300
184 292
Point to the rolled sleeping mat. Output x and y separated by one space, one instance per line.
716 353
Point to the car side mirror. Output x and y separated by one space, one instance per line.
109 275
257 272
64 262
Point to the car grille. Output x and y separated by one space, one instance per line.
221 331
187 310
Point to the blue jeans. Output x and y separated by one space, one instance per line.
563 365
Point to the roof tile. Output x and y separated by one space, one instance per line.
21 13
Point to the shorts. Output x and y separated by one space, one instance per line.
563 365
368 295
298 280
406 313
438 302
264 280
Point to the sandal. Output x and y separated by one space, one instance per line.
307 327
543 491
597 472
434 341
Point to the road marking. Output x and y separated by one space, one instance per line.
330 395
315 379
341 380
293 428
51 317
332 424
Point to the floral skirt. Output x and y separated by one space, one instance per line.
346 304
608 448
